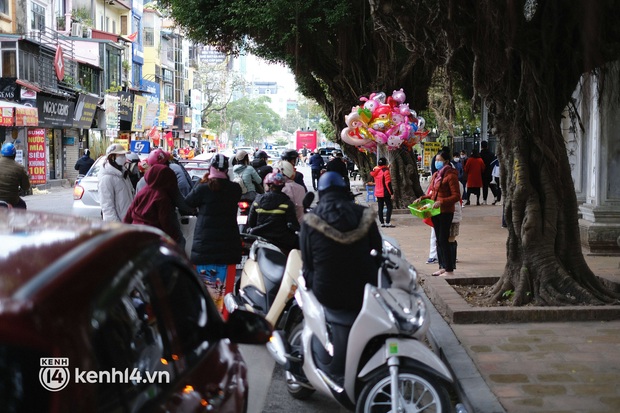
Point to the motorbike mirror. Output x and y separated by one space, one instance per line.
308 199
244 327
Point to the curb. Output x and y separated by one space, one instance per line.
471 388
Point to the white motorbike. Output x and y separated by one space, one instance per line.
267 283
387 365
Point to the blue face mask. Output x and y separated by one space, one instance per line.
438 165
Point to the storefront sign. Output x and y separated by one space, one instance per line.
55 113
139 110
163 115
111 112
171 112
26 117
8 88
140 146
6 116
125 110
37 166
84 111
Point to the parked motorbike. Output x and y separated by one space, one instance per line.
267 283
387 366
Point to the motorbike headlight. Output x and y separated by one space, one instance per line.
406 311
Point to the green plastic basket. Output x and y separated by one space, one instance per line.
424 209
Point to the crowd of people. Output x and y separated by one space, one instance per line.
157 190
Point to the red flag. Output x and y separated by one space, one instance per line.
132 37
169 140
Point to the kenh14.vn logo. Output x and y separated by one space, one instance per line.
54 375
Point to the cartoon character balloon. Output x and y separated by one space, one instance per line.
384 121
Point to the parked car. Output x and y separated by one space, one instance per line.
86 192
248 149
112 318
326 153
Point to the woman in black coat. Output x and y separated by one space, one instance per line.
216 236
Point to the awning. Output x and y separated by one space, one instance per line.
28 85
14 114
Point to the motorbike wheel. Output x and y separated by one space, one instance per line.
295 389
419 391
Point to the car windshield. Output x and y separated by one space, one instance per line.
94 170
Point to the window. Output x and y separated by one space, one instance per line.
4 6
88 79
127 336
191 311
149 37
114 73
136 71
9 64
168 92
37 18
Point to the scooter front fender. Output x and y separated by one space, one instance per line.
406 349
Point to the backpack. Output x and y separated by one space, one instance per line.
238 179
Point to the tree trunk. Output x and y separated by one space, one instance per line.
545 264
527 59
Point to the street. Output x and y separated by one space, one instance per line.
268 396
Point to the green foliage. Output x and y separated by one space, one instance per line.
114 88
82 15
508 294
247 121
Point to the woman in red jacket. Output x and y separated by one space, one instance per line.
383 191
444 190
474 168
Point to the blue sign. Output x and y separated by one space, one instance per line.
140 146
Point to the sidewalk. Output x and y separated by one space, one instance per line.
514 367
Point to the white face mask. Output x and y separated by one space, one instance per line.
120 160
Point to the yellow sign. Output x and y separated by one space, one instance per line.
430 149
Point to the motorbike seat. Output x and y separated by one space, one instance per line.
271 264
340 317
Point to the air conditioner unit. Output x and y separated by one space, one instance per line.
88 33
76 29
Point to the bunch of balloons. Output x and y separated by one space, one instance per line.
383 121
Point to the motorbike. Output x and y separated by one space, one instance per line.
243 210
267 283
387 365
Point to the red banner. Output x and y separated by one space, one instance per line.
169 140
37 166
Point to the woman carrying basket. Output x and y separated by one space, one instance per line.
444 190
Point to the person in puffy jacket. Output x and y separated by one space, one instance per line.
84 163
335 239
260 164
316 165
244 173
444 190
115 189
272 215
154 204
216 236
383 191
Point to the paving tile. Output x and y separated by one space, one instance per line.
509 378
544 389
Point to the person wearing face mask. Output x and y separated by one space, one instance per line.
444 190
115 189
